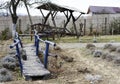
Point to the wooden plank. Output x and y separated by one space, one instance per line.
33 66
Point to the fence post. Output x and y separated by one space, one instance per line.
84 26
46 54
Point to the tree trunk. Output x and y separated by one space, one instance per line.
13 30
28 13
12 8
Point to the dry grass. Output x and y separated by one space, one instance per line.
4 47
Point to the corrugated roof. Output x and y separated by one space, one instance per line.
103 10
56 7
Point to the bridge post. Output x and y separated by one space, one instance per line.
46 55
17 36
37 46
20 42
19 58
35 41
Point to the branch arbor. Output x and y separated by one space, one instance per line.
54 9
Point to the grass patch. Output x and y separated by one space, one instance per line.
27 40
89 39
73 39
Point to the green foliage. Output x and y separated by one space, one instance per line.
5 34
115 26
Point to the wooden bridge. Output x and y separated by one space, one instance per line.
32 65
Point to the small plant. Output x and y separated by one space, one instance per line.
107 46
88 46
5 75
112 48
5 34
57 48
9 62
97 53
118 50
117 60
110 57
92 49
104 55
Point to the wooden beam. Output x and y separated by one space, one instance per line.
73 19
55 14
53 20
42 13
45 20
78 17
66 15
68 19
54 23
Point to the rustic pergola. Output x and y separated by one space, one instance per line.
54 9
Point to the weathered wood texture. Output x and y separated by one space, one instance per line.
33 66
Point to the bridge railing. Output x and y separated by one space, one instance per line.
46 51
18 44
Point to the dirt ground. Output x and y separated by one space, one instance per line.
76 70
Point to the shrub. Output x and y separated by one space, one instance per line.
117 60
13 52
106 46
88 46
97 53
5 75
5 34
104 55
118 50
92 49
112 48
57 48
9 62
110 57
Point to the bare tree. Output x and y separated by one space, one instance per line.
13 8
12 5
32 2
26 3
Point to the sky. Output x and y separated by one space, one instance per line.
84 4
79 4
